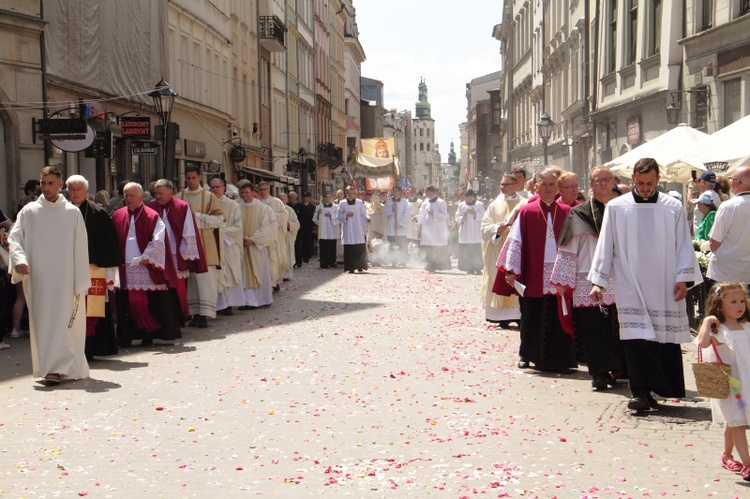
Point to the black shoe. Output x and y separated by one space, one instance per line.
522 364
202 322
276 288
652 402
245 307
147 342
601 381
638 404
286 279
297 265
351 271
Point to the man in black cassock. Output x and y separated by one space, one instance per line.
105 253
304 243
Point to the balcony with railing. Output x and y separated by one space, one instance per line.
272 33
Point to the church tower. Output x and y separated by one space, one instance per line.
452 155
423 107
426 160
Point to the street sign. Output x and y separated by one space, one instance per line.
144 151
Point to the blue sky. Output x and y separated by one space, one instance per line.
447 42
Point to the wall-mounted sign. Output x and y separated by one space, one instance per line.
634 130
195 148
136 128
102 146
76 145
144 151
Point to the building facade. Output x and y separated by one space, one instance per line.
21 89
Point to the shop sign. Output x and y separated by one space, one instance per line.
62 129
136 128
144 151
634 130
195 148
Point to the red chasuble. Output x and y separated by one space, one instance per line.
532 218
177 210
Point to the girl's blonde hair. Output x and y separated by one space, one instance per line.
716 296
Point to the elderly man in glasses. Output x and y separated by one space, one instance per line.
595 322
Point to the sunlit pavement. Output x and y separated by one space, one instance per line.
385 384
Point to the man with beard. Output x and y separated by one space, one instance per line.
202 288
49 253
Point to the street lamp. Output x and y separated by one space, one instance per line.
163 97
544 125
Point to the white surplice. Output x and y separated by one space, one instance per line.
432 217
399 217
646 248
470 224
329 227
354 228
50 238
230 293
259 226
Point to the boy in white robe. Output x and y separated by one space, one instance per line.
469 219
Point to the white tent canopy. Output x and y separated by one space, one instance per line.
665 149
720 152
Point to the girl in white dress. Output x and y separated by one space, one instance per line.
727 325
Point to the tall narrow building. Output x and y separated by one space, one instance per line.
424 169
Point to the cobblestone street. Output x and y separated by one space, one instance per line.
388 384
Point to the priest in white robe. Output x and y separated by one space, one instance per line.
646 248
259 232
230 292
496 223
292 229
353 217
469 220
277 251
329 231
202 287
432 218
48 248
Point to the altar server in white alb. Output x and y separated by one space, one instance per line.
432 217
353 217
49 254
398 212
329 231
645 246
469 219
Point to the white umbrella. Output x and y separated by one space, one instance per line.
665 149
721 152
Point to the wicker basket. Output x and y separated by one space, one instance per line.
712 378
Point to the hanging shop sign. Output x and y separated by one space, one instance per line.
195 148
136 128
76 145
144 151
